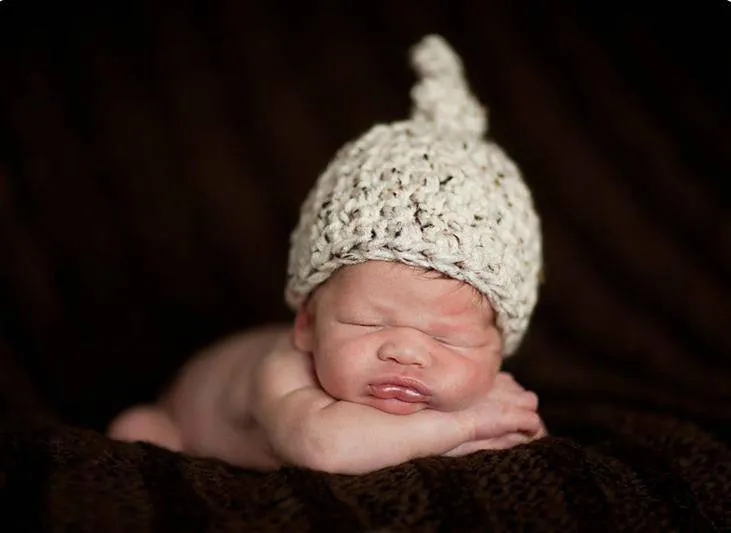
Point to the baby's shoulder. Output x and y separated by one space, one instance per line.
255 341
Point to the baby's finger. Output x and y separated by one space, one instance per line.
526 400
505 442
506 381
507 420
462 449
521 400
518 398
499 443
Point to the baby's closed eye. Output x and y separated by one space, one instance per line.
459 342
361 322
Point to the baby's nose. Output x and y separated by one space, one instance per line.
404 351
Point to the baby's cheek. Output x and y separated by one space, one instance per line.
475 381
338 366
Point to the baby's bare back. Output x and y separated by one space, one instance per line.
198 400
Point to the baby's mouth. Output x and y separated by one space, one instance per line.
402 391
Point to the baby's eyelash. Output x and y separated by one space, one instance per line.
456 343
362 324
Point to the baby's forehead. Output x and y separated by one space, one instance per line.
363 278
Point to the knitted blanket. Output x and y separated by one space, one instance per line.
636 471
153 156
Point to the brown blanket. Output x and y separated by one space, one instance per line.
153 156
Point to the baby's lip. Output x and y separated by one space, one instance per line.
400 388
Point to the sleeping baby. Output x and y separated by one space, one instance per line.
413 273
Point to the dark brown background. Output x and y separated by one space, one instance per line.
153 156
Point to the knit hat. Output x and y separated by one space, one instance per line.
429 192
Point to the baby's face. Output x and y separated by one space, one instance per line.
400 339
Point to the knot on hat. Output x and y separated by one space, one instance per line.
441 97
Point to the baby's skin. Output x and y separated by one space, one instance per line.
383 364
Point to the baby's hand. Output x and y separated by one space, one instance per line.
505 417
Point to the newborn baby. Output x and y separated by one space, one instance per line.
413 273
385 363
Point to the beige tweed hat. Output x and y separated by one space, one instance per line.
431 192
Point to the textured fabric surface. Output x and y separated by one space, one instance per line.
153 156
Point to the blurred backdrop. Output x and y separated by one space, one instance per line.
153 156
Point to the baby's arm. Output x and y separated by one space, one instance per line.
307 427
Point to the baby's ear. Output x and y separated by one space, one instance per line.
304 325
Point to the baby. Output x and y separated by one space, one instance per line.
413 272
